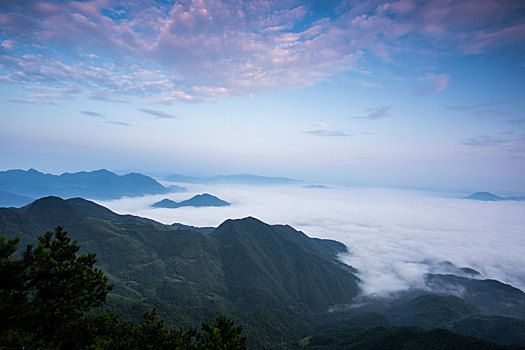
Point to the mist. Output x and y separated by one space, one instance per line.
394 236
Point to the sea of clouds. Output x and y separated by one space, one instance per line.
394 236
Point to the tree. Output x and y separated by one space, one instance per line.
45 295
49 290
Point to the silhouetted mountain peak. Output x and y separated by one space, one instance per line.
484 196
490 197
200 200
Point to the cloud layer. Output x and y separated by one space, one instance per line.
395 237
195 50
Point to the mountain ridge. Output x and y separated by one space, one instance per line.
97 184
234 179
187 274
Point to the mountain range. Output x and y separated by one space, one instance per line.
245 179
288 290
200 200
20 187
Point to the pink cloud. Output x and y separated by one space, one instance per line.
193 50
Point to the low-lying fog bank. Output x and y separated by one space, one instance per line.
394 236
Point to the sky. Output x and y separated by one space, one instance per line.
394 236
382 93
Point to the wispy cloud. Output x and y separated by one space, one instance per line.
157 114
517 121
376 113
461 108
117 123
488 113
484 141
328 133
104 118
431 84
93 114
165 52
7 44
31 101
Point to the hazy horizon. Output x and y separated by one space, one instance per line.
451 191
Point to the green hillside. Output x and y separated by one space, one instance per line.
243 265
281 285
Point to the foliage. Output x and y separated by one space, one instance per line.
46 294
377 338
48 290
274 279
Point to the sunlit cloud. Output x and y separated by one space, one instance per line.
188 52
31 101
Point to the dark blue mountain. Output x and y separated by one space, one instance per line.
490 197
99 184
200 200
13 200
321 187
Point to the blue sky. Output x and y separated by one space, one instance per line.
400 93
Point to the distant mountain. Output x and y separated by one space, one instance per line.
200 200
99 184
13 200
316 186
487 196
246 179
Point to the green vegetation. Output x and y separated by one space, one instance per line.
275 281
379 338
46 294
264 276
430 311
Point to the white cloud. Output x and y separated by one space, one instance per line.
394 236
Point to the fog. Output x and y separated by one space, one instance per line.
394 236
